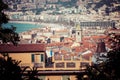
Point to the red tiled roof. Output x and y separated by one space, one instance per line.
10 48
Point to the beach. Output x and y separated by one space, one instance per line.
24 22
23 26
39 23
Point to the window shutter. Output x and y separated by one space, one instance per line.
42 57
33 57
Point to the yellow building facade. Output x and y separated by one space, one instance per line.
34 55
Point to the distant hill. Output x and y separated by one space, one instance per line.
111 5
69 3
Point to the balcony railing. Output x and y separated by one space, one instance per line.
60 65
70 65
24 65
38 65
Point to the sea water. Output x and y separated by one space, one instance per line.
22 27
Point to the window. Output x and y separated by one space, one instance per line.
70 64
33 57
37 58
83 64
78 33
42 57
60 65
65 77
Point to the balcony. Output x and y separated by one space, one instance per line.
60 65
70 65
38 65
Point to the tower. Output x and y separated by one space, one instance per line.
78 33
101 48
101 53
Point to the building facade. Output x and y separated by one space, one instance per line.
49 68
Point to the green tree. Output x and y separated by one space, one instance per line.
32 74
113 62
10 69
6 34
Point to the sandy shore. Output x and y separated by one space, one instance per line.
38 23
26 22
30 22
42 24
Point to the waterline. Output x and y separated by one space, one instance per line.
22 26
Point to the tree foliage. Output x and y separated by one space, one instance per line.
9 69
6 34
3 17
32 74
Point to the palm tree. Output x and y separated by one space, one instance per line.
32 74
10 69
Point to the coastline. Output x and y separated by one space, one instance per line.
53 26
24 22
38 23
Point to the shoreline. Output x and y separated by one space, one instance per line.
38 23
35 23
53 26
24 22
